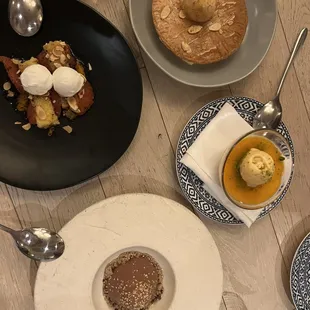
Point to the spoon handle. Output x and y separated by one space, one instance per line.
299 42
7 229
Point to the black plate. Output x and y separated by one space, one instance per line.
31 159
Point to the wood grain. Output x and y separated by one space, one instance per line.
16 271
256 261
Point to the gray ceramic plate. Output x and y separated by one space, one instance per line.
262 22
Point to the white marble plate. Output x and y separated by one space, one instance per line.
175 237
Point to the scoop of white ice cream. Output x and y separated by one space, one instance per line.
36 80
67 82
257 168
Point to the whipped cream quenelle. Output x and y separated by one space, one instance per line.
67 82
36 80
257 168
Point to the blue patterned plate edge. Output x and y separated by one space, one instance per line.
252 107
297 297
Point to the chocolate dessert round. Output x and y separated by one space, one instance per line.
133 281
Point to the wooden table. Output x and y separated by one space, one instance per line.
256 261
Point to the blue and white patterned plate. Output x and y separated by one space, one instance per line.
300 276
191 185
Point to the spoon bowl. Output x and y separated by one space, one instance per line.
26 16
270 115
39 244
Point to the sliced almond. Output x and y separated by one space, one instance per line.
26 127
57 53
7 86
30 97
40 113
57 64
215 27
63 59
230 22
90 68
194 29
82 93
220 31
73 105
186 48
17 123
59 48
62 43
15 61
68 129
228 3
10 94
53 58
47 55
18 72
68 56
165 12
182 14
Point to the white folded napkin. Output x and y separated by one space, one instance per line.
206 153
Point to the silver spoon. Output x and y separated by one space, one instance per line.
270 115
25 16
39 244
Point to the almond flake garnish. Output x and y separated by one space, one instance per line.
18 72
165 12
221 31
73 104
17 123
186 48
62 59
26 127
215 27
57 65
7 86
53 58
68 56
230 22
194 29
82 93
47 55
228 3
40 113
68 129
62 43
15 61
182 14
30 97
10 94
90 68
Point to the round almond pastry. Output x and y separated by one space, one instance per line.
201 43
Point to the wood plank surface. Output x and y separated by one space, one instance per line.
256 261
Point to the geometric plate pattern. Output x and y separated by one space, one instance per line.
191 185
300 276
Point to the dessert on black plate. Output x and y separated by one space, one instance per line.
49 86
